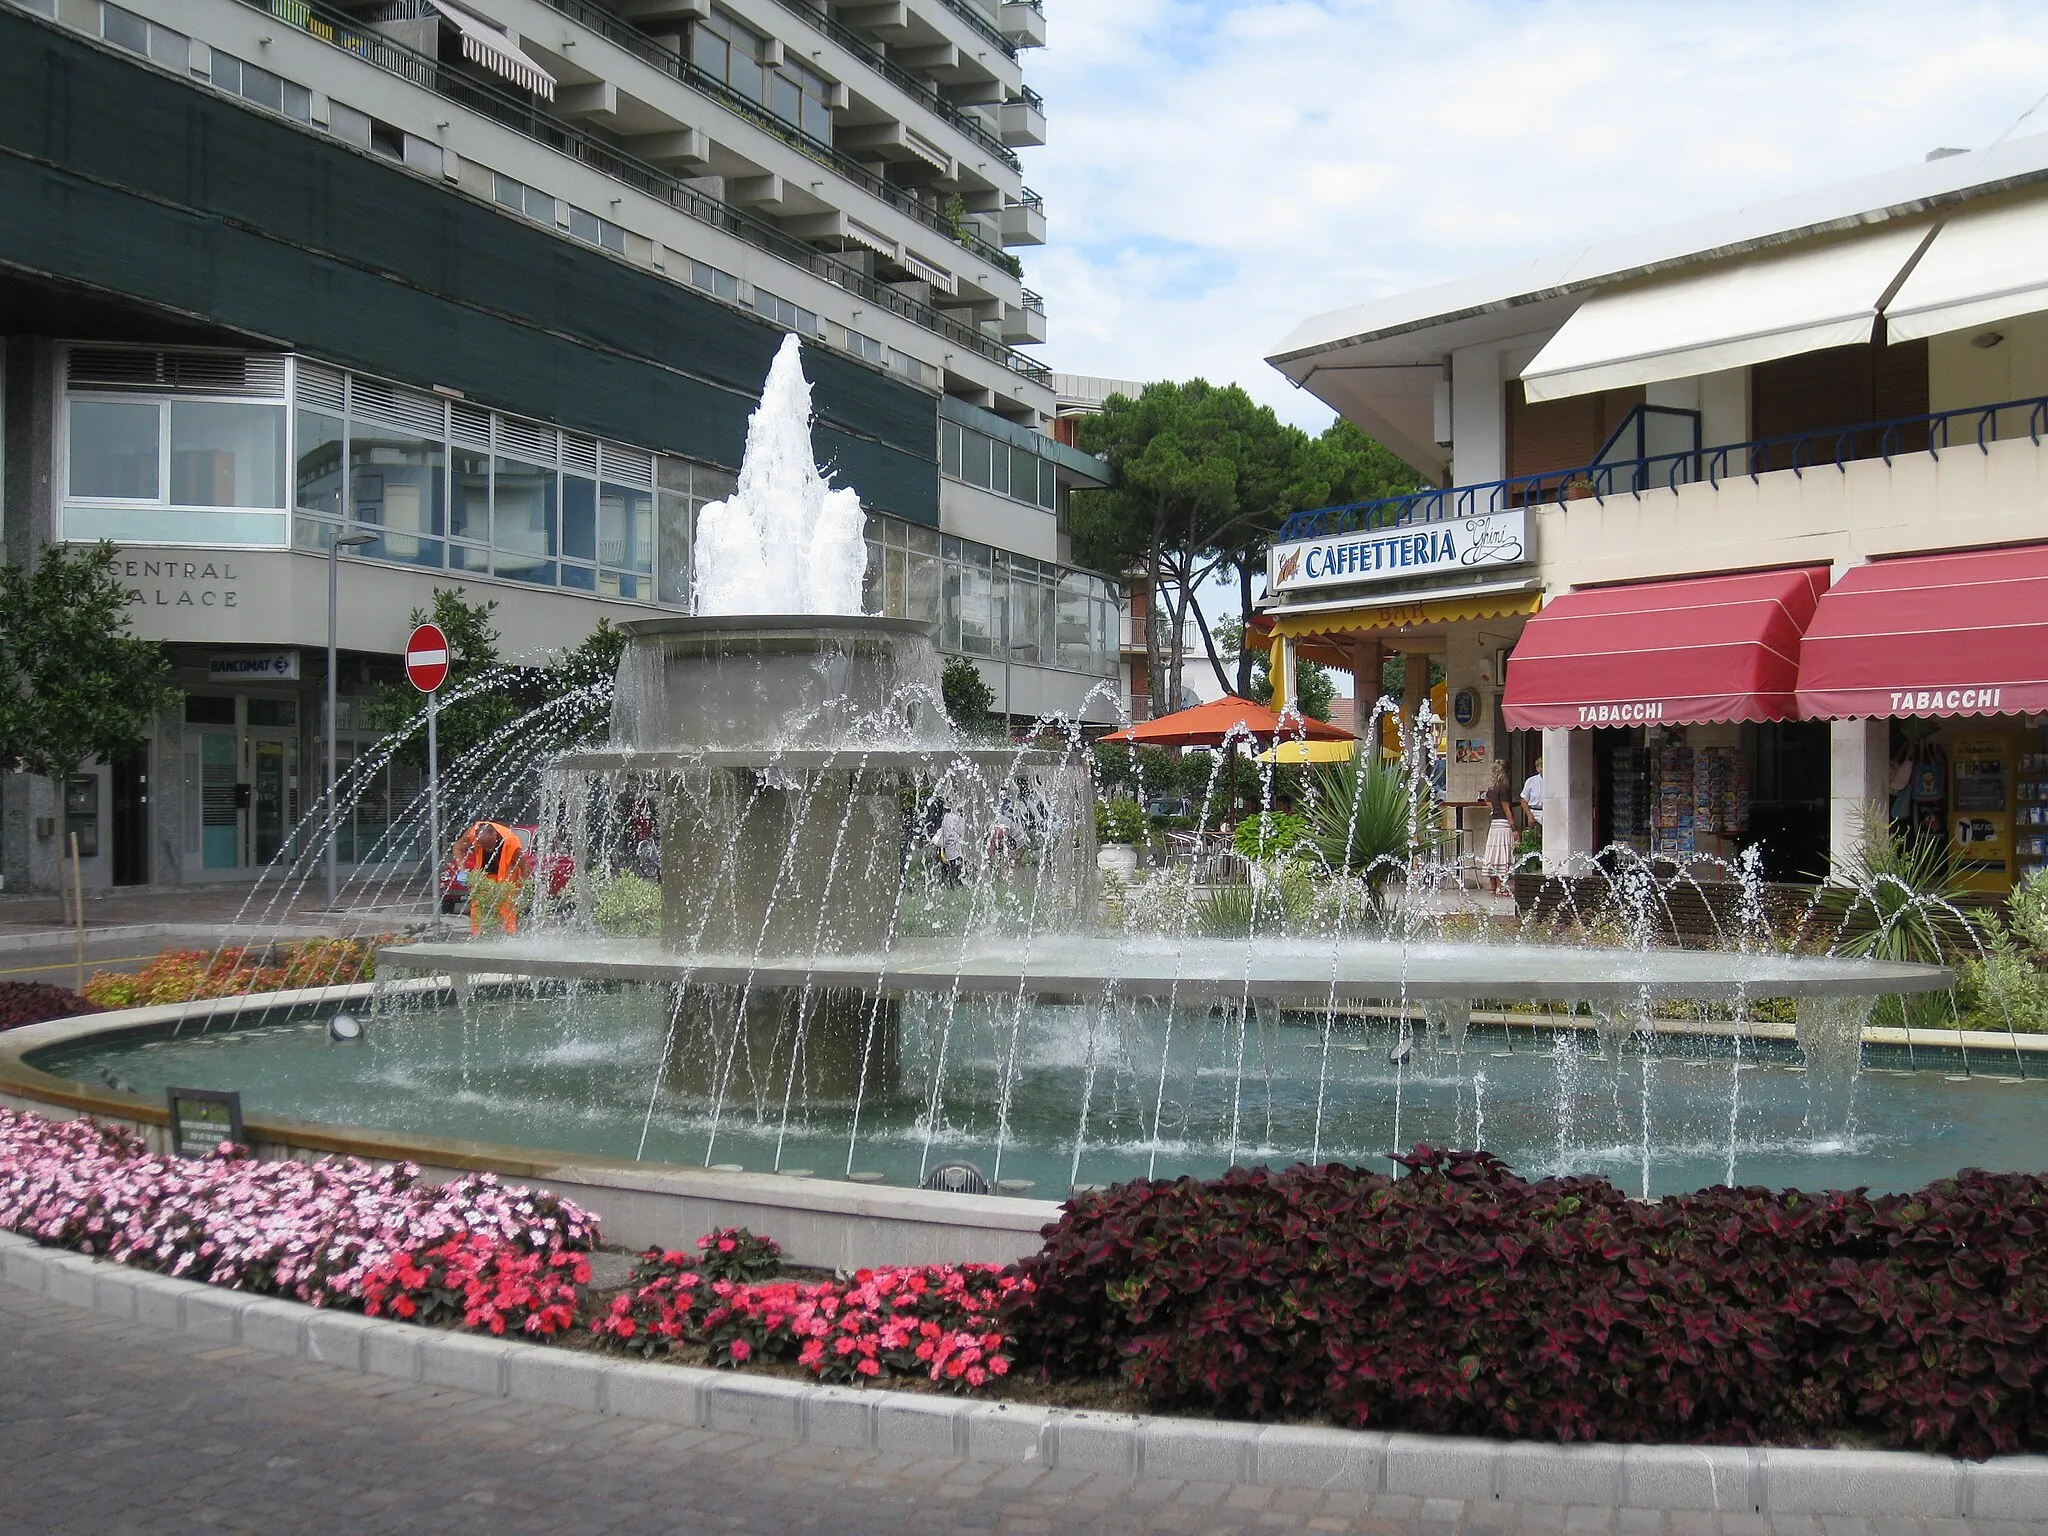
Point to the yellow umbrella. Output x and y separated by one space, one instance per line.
1309 752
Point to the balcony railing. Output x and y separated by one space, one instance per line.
522 117
647 50
1831 448
925 95
983 25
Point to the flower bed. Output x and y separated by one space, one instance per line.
940 1322
1460 1299
191 975
36 1002
308 1231
1463 1299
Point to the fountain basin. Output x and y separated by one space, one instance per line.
762 683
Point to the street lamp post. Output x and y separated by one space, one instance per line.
340 542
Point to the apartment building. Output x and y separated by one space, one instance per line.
498 282
1744 523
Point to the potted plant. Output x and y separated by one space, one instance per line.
1119 828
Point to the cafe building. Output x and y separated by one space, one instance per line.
1779 488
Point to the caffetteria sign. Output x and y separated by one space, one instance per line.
1466 544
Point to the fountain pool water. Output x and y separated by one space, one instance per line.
807 927
570 1071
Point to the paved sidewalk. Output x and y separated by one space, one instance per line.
115 1427
152 918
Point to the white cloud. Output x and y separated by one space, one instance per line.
1219 171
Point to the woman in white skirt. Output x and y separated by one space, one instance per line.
1499 857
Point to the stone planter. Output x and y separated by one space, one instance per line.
1118 859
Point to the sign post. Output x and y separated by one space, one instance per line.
426 668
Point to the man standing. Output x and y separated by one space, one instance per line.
1532 791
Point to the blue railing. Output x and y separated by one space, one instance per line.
1835 447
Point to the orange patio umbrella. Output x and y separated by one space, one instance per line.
1209 725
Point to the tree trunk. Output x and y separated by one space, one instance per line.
1209 645
1153 677
1244 619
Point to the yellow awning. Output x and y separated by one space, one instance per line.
1309 752
1361 620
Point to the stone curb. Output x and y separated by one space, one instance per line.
1662 1477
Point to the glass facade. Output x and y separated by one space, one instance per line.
259 450
980 460
990 603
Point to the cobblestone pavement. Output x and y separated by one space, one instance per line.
111 1427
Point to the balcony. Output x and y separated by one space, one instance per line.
919 90
518 114
1024 220
1022 122
1023 23
1024 324
649 50
1890 443
1972 477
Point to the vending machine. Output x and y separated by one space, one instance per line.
1981 811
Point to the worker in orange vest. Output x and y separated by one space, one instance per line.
492 851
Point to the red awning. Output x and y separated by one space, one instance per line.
1959 634
1664 652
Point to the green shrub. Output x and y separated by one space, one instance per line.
1271 835
2003 988
1119 821
2028 910
629 908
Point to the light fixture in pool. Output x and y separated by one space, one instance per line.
344 1029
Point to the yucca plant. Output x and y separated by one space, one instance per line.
1897 898
1370 817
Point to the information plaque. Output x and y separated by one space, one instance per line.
203 1118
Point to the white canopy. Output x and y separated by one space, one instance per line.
1776 304
489 46
1985 266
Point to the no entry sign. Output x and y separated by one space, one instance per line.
426 658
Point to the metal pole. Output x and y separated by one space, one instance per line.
433 808
333 598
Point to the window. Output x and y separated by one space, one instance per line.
114 449
260 86
600 232
150 439
319 466
974 458
346 123
867 347
579 519
731 54
712 280
1009 469
395 489
469 496
520 198
785 314
226 454
523 521
124 29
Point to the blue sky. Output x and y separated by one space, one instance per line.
1220 169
